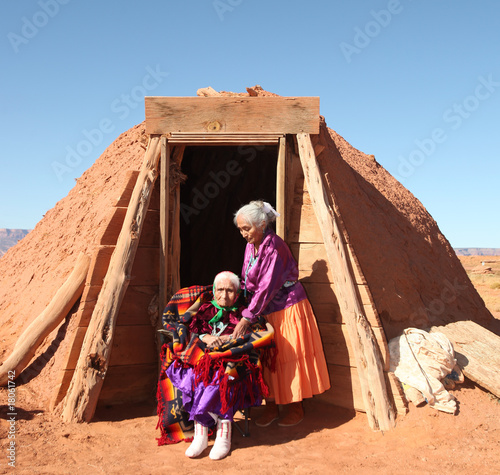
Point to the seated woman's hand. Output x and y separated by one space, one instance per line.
214 341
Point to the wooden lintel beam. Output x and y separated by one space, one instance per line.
223 114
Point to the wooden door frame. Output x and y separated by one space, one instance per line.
170 227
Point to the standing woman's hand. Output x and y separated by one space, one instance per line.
241 328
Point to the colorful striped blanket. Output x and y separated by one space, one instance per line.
237 364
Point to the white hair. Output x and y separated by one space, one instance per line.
256 212
233 278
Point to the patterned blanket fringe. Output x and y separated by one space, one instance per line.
166 439
234 392
174 433
268 358
160 406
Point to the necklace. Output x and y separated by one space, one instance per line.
251 262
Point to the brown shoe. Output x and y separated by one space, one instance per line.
269 415
294 416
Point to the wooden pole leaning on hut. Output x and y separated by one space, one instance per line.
81 400
47 321
367 354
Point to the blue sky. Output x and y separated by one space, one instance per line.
417 84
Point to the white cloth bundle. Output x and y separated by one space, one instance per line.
421 360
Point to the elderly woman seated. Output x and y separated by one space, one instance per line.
222 381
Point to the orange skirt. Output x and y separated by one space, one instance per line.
301 369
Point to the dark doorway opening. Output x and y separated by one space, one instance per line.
220 179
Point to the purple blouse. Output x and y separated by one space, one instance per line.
270 278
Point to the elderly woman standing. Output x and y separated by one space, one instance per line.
269 280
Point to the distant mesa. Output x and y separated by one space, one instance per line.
482 270
9 238
477 251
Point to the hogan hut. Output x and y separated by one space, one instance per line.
154 214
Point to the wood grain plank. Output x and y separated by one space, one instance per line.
129 384
60 388
292 170
132 345
345 390
164 220
338 346
87 304
312 261
113 227
99 265
476 351
326 313
149 235
326 294
74 353
400 402
277 115
135 306
217 138
281 189
124 197
146 267
304 226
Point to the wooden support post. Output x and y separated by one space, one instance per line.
367 354
47 321
280 189
81 400
175 251
164 222
175 254
292 167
